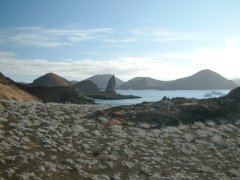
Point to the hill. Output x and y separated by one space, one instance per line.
140 83
101 80
202 80
205 79
236 81
50 80
10 91
86 86
73 82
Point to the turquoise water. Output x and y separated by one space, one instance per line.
156 95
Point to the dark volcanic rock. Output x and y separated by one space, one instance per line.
234 94
106 96
61 94
176 111
111 86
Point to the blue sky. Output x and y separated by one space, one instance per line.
163 39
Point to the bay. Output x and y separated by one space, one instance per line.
156 95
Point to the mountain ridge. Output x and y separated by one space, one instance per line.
202 80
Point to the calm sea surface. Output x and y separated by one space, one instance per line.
156 95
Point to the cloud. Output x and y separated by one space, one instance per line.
162 66
234 42
224 60
125 67
7 55
123 40
159 34
41 36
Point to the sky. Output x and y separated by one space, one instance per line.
162 39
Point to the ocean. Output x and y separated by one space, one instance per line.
156 95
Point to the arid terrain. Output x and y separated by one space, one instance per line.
9 91
58 141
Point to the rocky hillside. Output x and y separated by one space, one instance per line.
61 94
50 80
59 141
10 91
102 80
202 80
176 111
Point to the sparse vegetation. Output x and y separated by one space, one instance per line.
57 141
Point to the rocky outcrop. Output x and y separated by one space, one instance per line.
111 86
107 96
62 94
176 111
101 80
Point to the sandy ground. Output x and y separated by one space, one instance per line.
57 141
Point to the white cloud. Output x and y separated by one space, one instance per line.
124 67
52 37
224 60
165 66
41 36
7 55
122 40
234 42
156 34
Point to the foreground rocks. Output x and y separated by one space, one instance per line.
58 141
176 111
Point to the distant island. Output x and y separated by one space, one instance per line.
237 81
90 89
202 80
101 80
54 88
